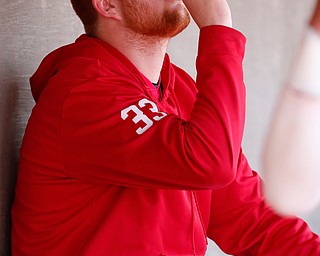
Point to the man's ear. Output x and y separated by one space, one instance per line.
107 8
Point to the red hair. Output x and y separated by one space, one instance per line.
85 12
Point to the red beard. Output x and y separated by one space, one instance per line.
142 19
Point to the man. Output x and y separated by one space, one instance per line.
124 154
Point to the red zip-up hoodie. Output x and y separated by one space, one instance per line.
110 166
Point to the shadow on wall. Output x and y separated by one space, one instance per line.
8 156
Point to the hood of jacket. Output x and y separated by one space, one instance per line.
93 48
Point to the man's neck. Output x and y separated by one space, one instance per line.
146 53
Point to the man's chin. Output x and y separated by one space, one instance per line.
183 24
172 21
181 29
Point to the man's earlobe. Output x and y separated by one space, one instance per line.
106 8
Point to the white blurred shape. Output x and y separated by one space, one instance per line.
291 157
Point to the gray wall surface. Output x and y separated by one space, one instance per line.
30 29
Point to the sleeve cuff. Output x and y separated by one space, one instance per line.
221 39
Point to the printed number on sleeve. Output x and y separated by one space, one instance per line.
141 116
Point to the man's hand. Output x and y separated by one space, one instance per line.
209 12
315 20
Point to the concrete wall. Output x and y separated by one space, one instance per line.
30 29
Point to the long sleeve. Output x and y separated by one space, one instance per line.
114 132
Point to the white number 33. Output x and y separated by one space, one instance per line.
140 116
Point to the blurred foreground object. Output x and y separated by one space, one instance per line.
291 157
